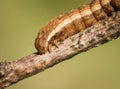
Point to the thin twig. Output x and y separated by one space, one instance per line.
102 32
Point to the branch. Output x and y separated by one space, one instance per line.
102 32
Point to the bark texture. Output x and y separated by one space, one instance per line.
100 33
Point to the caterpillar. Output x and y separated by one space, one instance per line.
72 22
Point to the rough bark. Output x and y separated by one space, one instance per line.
101 32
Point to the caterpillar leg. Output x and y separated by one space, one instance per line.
55 43
49 48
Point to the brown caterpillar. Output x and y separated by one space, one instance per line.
76 20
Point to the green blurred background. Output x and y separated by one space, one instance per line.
20 21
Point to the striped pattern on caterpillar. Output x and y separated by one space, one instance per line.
76 20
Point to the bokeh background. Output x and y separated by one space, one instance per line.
20 21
